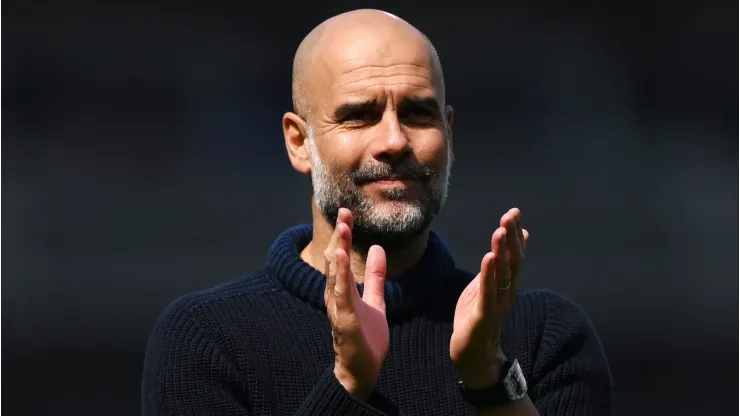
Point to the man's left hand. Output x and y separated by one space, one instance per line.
480 312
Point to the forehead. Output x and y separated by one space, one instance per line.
366 68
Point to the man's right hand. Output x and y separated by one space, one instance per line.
359 325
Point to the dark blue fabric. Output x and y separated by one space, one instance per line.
262 345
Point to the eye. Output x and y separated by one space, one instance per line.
420 115
360 116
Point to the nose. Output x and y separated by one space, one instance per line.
391 142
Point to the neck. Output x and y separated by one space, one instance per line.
397 262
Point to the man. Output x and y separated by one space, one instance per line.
364 312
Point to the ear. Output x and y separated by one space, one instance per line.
294 131
450 117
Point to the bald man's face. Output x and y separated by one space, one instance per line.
379 138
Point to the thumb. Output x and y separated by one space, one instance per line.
375 270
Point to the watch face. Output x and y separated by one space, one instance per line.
516 385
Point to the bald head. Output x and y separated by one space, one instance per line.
369 35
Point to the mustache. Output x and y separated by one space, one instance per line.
378 171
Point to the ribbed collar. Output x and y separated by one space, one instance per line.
431 281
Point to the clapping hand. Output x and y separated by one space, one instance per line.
359 326
483 305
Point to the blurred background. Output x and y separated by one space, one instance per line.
144 160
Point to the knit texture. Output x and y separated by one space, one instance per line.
262 345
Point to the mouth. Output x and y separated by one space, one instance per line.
394 181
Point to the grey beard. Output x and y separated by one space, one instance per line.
391 229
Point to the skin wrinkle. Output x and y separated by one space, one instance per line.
364 77
390 85
373 66
368 77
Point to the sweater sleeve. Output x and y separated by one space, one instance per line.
571 371
330 398
185 373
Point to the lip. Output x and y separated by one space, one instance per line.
391 181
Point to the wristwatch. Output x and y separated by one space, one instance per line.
511 387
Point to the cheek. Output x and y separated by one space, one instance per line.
432 149
345 151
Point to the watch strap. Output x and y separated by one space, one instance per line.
510 387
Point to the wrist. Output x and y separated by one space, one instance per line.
483 373
350 384
510 388
481 378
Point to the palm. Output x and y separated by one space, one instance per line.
465 319
374 334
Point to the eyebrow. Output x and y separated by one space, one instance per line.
427 103
407 103
346 109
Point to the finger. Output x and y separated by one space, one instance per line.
331 281
516 255
344 281
486 285
342 234
344 216
520 232
525 234
343 237
375 272
502 272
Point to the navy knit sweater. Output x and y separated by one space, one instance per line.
262 345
